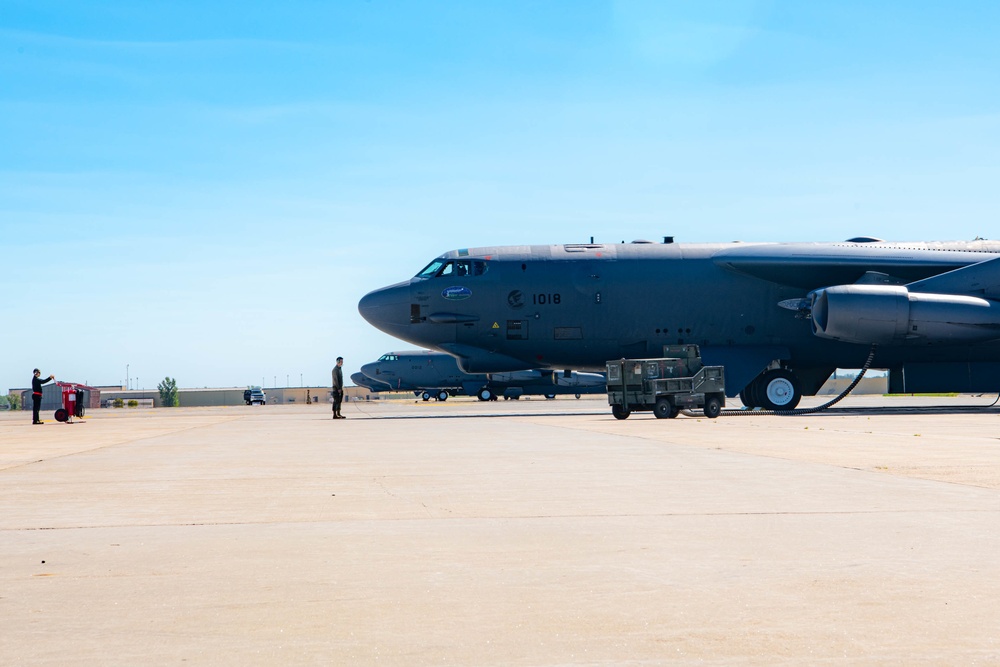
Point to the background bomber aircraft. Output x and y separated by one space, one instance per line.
436 374
781 317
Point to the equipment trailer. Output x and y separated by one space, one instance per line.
666 385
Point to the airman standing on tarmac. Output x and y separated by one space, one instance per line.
36 394
338 388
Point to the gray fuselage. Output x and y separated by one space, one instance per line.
579 305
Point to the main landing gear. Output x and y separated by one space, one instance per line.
486 394
777 389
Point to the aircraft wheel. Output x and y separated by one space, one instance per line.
779 390
486 395
550 396
713 407
426 395
619 412
578 395
61 415
664 409
443 396
746 397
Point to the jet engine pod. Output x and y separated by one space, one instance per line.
513 377
890 314
476 360
861 313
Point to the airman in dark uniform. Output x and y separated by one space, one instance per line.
338 388
36 394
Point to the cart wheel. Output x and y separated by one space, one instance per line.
62 415
713 406
663 409
619 412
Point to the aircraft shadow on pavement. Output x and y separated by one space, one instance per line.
490 416
889 411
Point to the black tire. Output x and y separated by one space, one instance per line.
619 412
442 396
664 409
578 395
426 395
779 390
550 396
485 395
62 415
713 407
746 396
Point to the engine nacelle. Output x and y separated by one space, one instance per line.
515 377
476 360
890 314
577 379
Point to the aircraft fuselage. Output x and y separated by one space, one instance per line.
579 305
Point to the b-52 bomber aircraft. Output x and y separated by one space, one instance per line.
436 374
781 317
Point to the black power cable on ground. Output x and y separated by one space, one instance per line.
806 411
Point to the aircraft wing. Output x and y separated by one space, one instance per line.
810 266
981 279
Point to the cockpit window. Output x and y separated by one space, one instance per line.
457 268
431 269
389 357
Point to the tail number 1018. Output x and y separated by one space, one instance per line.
546 299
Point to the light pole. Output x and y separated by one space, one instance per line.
127 385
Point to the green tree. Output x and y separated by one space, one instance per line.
168 392
14 400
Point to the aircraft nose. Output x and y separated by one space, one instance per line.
387 309
368 370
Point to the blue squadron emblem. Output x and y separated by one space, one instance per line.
456 293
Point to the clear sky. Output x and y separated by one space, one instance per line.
204 190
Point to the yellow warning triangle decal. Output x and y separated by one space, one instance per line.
496 326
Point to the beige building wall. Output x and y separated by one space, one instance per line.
191 398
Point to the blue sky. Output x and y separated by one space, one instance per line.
205 190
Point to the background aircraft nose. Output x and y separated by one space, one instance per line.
387 309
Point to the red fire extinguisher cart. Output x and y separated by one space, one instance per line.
72 401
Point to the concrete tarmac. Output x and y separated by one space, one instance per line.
510 533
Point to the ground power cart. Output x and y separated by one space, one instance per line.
678 381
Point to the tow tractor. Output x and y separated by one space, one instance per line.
677 381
